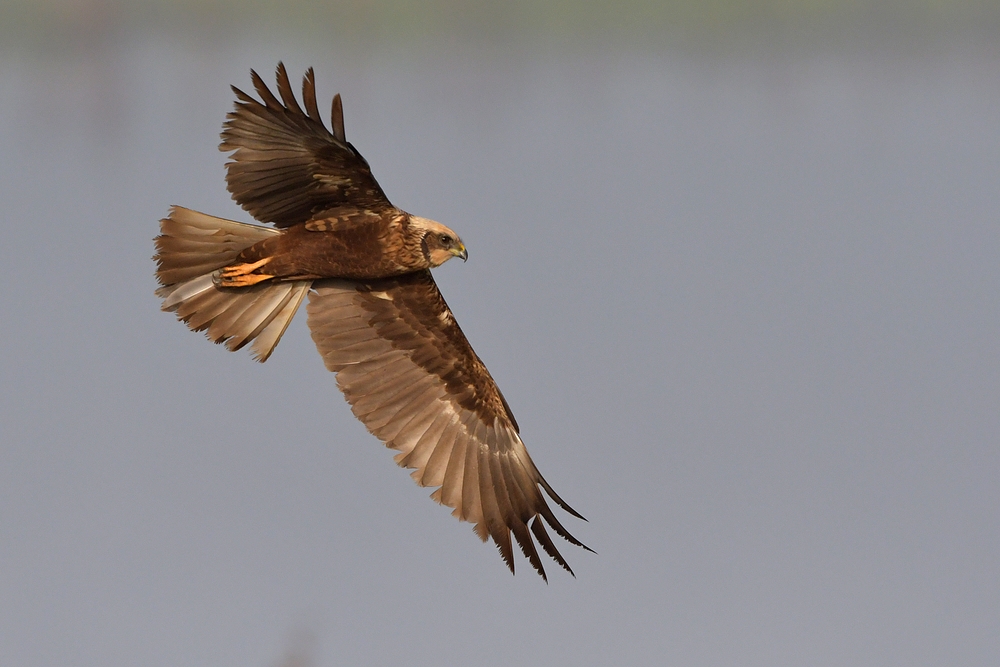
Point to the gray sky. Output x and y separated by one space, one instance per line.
744 307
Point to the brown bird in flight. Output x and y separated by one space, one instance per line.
374 310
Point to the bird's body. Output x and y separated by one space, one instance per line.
375 313
384 246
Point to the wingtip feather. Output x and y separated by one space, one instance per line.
337 119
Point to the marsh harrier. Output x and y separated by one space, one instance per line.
374 311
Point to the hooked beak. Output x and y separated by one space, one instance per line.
460 251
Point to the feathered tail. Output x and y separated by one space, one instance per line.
190 249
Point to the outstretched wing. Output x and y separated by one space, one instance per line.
412 378
287 168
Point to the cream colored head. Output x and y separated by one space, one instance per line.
439 243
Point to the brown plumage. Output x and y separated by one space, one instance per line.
375 313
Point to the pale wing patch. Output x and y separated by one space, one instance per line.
339 219
332 180
320 225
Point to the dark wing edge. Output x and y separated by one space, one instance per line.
286 167
412 378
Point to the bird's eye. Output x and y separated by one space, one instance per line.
445 239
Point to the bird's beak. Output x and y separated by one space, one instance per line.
460 251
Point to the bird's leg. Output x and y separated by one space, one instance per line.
242 275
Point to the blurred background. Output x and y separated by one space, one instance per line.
734 265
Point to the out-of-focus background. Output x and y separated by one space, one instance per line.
734 265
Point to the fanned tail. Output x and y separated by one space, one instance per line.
190 249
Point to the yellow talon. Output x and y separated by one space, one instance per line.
242 275
243 269
243 281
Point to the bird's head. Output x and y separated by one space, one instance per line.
438 242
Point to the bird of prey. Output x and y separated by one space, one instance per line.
374 312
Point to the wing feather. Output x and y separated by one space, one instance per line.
428 443
454 477
538 530
433 472
489 490
262 90
410 440
285 90
386 399
413 379
472 497
394 416
309 95
366 379
286 167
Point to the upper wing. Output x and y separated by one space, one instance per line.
287 167
412 378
